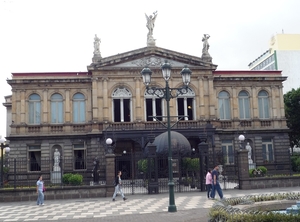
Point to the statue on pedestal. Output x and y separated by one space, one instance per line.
96 45
248 147
205 43
56 157
150 26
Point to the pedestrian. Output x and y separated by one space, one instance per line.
215 183
208 183
118 186
40 191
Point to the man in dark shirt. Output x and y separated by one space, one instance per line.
215 183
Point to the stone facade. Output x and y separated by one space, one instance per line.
115 106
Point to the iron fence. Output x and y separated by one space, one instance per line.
22 172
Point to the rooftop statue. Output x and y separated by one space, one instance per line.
96 45
150 26
205 43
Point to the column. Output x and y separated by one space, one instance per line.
23 106
105 99
46 113
212 98
138 100
67 106
94 98
185 108
234 103
153 108
201 101
243 168
122 109
110 174
254 104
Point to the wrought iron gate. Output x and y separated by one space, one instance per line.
149 175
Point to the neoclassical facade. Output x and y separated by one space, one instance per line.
75 112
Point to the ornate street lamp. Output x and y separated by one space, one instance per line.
109 146
7 149
241 139
168 93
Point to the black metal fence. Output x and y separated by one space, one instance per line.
24 172
151 175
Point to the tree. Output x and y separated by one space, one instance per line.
292 114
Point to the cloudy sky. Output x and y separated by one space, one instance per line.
58 35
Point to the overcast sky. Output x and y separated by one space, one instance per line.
58 35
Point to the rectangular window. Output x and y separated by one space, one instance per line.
34 156
267 150
56 112
127 114
79 156
228 151
149 110
180 105
158 109
34 112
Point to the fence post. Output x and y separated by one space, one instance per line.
243 169
15 173
110 173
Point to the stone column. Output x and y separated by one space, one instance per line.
138 99
67 106
110 174
243 168
105 99
95 98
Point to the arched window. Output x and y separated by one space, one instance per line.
57 108
34 109
79 108
224 105
186 105
263 105
154 107
244 105
122 105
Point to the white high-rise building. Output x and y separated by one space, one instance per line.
284 55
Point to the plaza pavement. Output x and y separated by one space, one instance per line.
191 207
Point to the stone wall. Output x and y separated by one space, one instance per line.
72 192
269 182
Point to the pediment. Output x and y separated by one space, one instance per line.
151 57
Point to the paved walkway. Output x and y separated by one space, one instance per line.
191 207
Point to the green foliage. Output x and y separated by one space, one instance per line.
143 165
76 179
292 114
263 169
72 179
5 169
251 172
191 164
66 178
295 162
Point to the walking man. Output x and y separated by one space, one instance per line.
215 183
118 188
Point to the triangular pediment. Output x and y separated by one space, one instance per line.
151 57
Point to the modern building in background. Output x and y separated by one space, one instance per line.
76 112
283 55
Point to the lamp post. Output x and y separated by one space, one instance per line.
109 147
241 139
167 94
7 149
